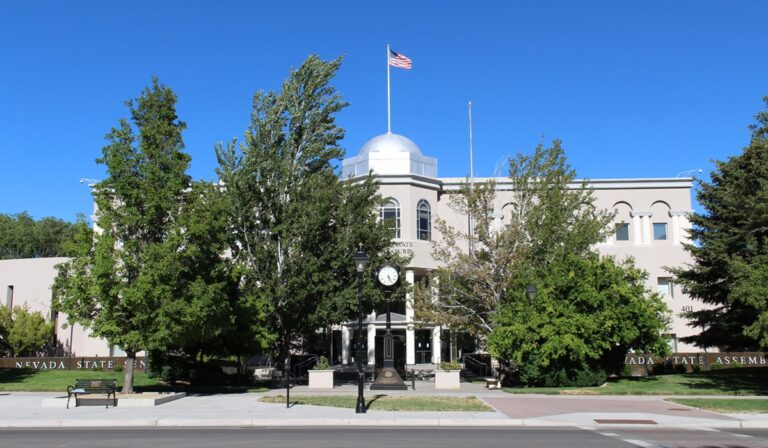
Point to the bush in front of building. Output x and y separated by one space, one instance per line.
588 311
24 332
558 374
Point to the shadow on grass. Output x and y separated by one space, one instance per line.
370 402
15 375
743 381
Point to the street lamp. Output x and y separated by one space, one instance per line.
360 259
531 291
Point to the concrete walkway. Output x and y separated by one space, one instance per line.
24 409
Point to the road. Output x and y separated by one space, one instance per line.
380 437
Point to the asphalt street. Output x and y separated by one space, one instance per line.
381 437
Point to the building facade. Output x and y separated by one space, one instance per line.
651 226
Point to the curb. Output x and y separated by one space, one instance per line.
355 422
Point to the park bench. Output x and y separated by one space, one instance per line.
90 387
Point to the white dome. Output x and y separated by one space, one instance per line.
389 155
390 144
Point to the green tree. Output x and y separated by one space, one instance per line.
587 313
295 224
549 235
549 219
23 237
730 254
29 332
149 277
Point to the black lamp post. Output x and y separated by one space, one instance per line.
360 259
531 291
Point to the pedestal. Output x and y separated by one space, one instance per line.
387 377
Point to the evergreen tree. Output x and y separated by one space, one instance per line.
730 251
29 332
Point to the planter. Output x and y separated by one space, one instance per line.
447 379
321 379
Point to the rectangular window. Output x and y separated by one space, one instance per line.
665 286
622 231
659 230
9 297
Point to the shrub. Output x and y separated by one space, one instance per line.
695 368
626 371
450 365
681 368
118 369
580 375
583 377
322 364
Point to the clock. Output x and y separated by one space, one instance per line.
388 275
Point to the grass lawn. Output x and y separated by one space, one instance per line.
746 381
29 380
386 403
734 405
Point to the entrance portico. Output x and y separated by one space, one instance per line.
412 346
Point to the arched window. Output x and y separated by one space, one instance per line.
390 214
423 221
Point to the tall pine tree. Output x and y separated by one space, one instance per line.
730 270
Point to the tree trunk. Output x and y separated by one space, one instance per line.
130 363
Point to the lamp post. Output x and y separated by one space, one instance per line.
360 259
530 292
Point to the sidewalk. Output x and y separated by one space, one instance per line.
24 409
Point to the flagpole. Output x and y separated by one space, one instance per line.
470 224
389 122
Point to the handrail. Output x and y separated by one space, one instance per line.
470 359
297 367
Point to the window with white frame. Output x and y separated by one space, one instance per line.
423 221
665 287
659 230
390 214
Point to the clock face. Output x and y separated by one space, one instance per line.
388 275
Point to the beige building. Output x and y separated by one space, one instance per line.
651 225
27 282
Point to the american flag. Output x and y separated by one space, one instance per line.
399 60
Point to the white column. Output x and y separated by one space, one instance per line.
675 229
410 339
646 219
679 227
436 342
685 228
371 344
344 345
436 346
637 229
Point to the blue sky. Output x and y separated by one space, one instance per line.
634 89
